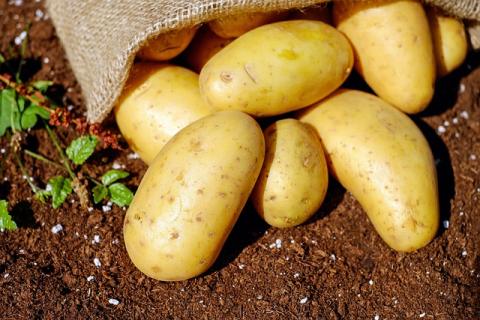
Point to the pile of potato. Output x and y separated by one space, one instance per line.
208 155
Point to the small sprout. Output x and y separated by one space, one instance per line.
100 192
81 149
120 194
6 222
61 189
115 191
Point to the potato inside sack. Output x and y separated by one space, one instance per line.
204 46
380 156
277 68
449 40
393 49
192 195
294 178
157 102
167 46
234 26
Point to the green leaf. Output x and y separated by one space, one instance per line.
2 58
21 102
42 85
43 195
6 222
81 149
61 188
30 116
99 193
120 194
113 175
9 114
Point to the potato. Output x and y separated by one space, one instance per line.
393 49
319 12
204 46
192 195
158 100
167 46
380 156
449 40
236 25
294 178
277 68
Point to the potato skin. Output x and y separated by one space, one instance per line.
294 178
204 46
167 46
192 195
449 40
294 64
234 26
393 49
383 159
157 101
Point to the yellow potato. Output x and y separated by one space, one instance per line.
192 195
319 12
158 100
204 46
393 49
167 46
449 40
294 178
380 156
277 68
236 25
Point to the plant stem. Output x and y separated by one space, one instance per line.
42 158
53 136
25 173
98 183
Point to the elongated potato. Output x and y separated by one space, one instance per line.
192 195
393 49
158 100
234 26
449 39
167 46
320 12
294 178
382 158
277 68
204 46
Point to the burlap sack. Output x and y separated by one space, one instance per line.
101 37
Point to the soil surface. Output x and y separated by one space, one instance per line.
333 267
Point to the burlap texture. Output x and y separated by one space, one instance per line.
101 37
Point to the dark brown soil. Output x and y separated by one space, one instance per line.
334 267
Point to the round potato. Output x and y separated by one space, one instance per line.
157 101
236 25
294 178
192 195
320 12
380 156
277 68
449 39
204 46
167 46
393 49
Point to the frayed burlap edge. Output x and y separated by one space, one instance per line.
101 38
